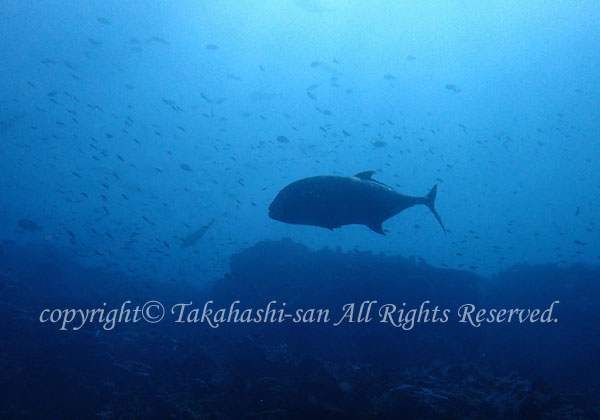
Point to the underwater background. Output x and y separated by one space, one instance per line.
141 144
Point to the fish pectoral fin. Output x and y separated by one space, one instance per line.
376 227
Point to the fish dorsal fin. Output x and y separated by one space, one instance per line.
366 175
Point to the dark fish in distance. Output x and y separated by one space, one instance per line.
195 236
157 40
333 201
29 225
379 143
453 88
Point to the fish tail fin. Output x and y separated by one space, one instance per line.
429 201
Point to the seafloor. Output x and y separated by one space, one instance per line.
170 370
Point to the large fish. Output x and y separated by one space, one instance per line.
334 201
195 236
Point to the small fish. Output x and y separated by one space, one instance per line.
379 143
157 40
324 66
29 225
453 88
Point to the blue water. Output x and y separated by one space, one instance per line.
141 146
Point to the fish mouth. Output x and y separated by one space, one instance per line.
273 214
271 211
